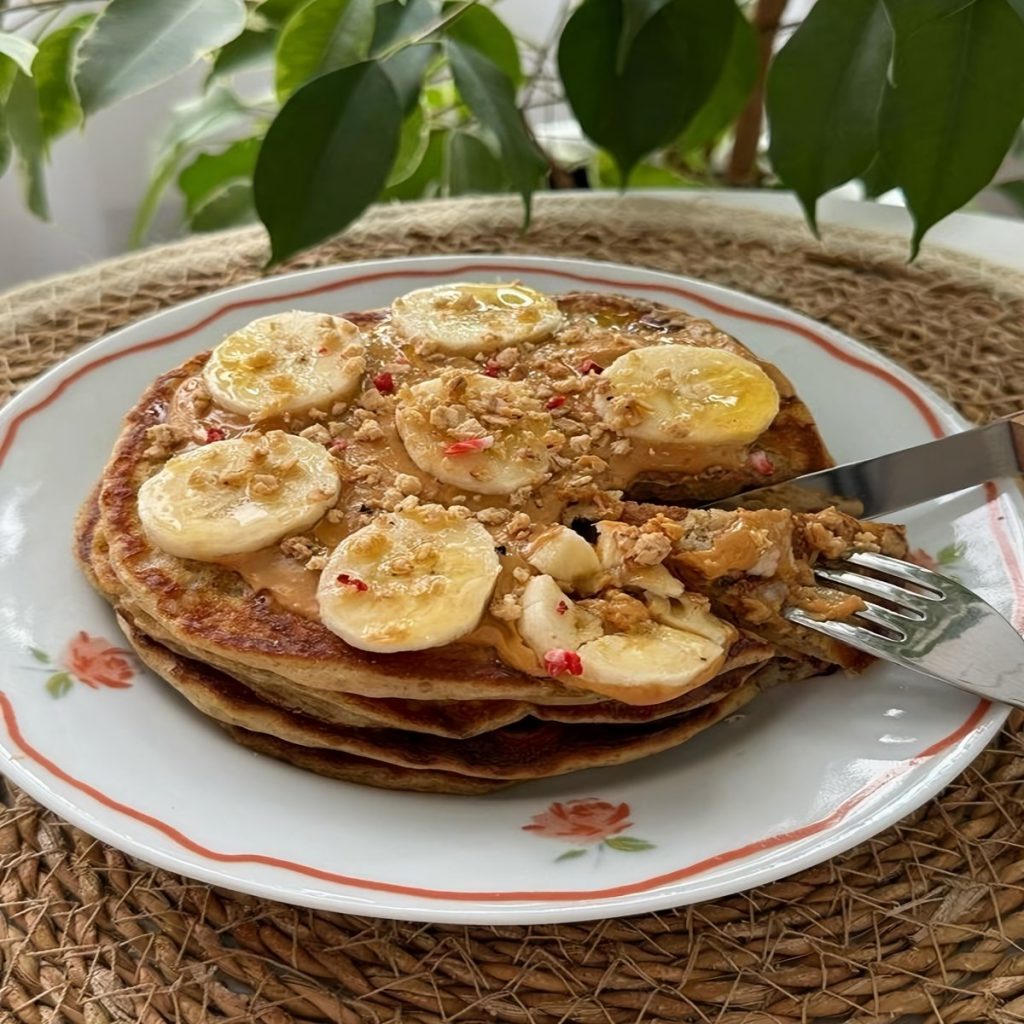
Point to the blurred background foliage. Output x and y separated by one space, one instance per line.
375 100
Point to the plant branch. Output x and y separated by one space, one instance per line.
742 168
438 25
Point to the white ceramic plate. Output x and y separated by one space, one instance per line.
806 772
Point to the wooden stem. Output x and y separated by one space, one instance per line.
742 168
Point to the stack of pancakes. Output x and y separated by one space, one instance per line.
448 546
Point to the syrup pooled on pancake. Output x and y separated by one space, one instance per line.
350 539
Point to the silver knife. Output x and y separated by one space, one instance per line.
887 483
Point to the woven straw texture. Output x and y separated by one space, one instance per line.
923 923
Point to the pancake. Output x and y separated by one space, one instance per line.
452 719
558 443
530 749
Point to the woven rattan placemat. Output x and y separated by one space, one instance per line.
921 923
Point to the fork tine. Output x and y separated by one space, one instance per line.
920 603
901 570
855 636
899 624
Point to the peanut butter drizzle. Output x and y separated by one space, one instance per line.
607 335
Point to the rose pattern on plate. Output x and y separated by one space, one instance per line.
91 660
588 824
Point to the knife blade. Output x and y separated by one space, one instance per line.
887 483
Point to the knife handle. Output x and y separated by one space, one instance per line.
1016 422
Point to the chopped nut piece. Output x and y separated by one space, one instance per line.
369 431
317 432
299 547
265 483
408 484
493 516
200 478
506 608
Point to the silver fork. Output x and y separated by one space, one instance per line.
940 627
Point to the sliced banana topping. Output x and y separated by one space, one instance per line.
410 580
648 665
563 554
632 558
692 612
238 495
288 362
475 432
552 621
620 647
685 394
464 319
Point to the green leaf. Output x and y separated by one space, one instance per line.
644 175
471 167
669 73
59 684
953 106
570 855
950 553
412 144
8 69
192 124
824 92
19 49
135 44
490 95
877 179
320 37
252 50
628 844
26 131
277 12
1018 6
228 207
58 104
396 22
482 29
39 655
5 144
211 172
635 14
731 92
425 181
326 156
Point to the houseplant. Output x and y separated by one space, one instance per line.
396 99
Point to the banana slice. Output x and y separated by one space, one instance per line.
563 554
551 621
410 580
476 433
692 612
684 394
288 362
464 319
613 541
646 662
238 495
649 664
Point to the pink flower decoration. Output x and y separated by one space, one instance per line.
581 821
96 662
